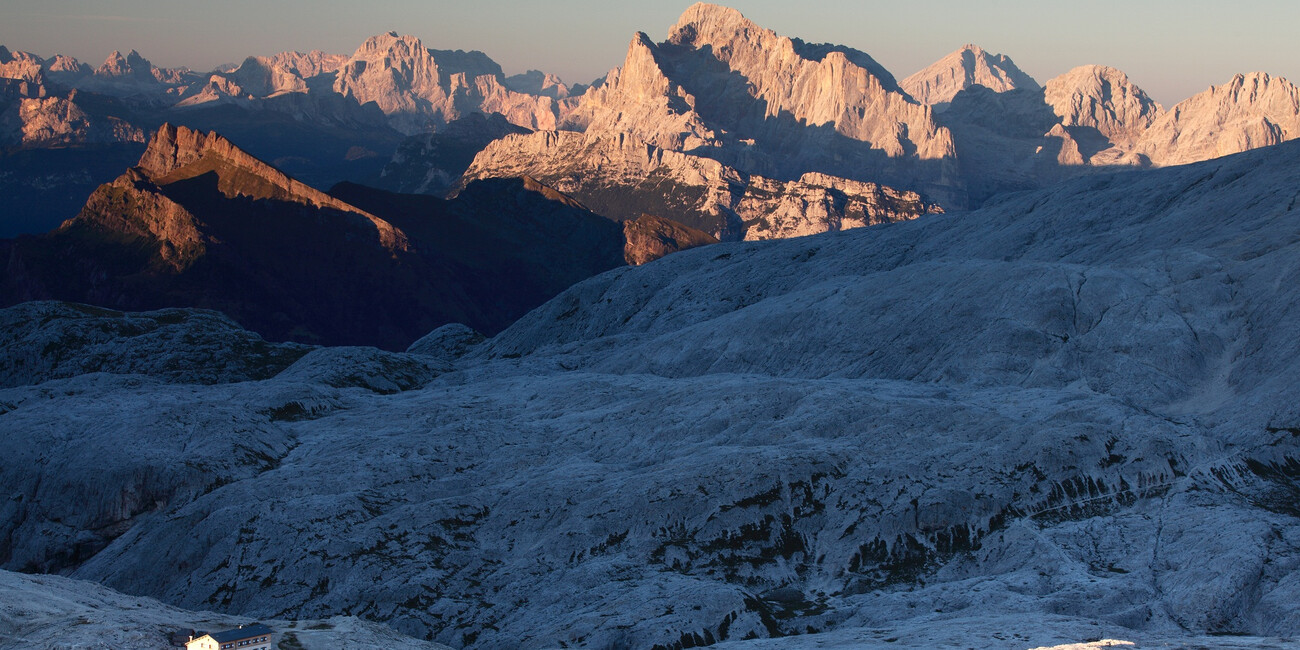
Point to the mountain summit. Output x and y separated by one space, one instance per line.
742 133
420 88
969 66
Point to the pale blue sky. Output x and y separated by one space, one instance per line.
1171 48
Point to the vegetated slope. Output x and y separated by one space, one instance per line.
200 223
1068 412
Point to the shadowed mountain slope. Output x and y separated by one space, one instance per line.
1070 414
200 223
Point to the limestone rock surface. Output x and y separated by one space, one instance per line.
969 66
622 178
649 238
1101 101
944 431
1250 111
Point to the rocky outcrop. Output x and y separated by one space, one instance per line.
54 121
814 85
128 66
1100 105
640 101
58 612
682 127
432 163
1250 111
725 88
969 66
818 203
42 341
536 82
180 153
21 65
622 178
1069 415
421 89
309 64
264 76
648 238
66 70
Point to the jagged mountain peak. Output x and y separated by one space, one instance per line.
815 84
703 18
725 31
423 89
391 41
131 64
173 147
1249 111
1102 98
1255 82
21 65
177 153
968 66
62 63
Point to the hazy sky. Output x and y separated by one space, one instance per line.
1171 48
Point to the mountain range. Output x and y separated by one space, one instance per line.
747 344
721 117
198 222
1066 416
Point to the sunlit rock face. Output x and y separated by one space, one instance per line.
1067 415
622 178
745 134
420 88
1250 111
46 611
969 66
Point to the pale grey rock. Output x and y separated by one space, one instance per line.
449 342
640 101
536 82
724 88
421 88
622 178
734 130
20 65
265 76
1068 413
1250 111
432 163
1100 103
374 369
51 340
54 121
58 613
66 70
131 76
970 65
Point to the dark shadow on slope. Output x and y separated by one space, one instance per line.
431 163
295 272
1003 144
